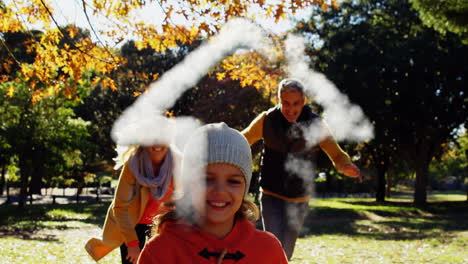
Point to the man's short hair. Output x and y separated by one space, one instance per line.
290 85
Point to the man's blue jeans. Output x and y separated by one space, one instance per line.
284 219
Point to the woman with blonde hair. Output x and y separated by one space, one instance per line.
146 185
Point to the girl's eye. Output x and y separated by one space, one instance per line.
209 180
234 181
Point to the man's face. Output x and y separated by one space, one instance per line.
291 103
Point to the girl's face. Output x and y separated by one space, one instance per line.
157 153
223 196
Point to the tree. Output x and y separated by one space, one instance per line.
103 106
41 134
76 58
453 162
41 129
377 53
214 100
444 16
5 160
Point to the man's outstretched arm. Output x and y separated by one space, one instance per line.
340 159
254 132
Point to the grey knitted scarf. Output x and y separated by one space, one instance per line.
142 167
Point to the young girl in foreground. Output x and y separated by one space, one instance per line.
212 224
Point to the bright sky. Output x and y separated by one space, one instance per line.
71 11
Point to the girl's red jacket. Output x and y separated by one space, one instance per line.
184 243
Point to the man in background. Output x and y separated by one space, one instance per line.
285 190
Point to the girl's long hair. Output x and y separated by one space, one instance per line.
248 210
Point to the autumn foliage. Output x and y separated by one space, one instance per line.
63 57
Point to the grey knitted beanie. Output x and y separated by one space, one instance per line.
219 144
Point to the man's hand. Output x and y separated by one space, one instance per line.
351 170
133 254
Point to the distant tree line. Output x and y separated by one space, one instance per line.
409 79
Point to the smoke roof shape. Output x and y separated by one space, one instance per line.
141 123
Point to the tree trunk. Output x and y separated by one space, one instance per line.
380 188
381 160
389 182
422 174
3 179
24 180
35 185
79 188
466 155
98 188
328 183
8 193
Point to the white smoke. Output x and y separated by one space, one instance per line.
346 120
143 122
343 120
314 133
299 167
138 123
162 94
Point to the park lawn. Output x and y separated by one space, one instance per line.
362 231
51 234
341 230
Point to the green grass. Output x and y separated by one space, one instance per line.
340 230
51 233
362 231
433 196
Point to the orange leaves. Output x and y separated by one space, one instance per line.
335 4
108 83
32 11
9 22
168 39
72 31
279 14
27 71
220 76
4 78
326 5
63 57
95 81
251 69
61 66
155 77
37 96
11 91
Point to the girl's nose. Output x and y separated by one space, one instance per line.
218 187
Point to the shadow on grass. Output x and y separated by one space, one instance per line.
435 207
389 220
90 212
33 219
28 234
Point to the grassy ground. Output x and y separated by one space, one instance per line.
341 230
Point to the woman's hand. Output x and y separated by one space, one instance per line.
351 170
133 254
